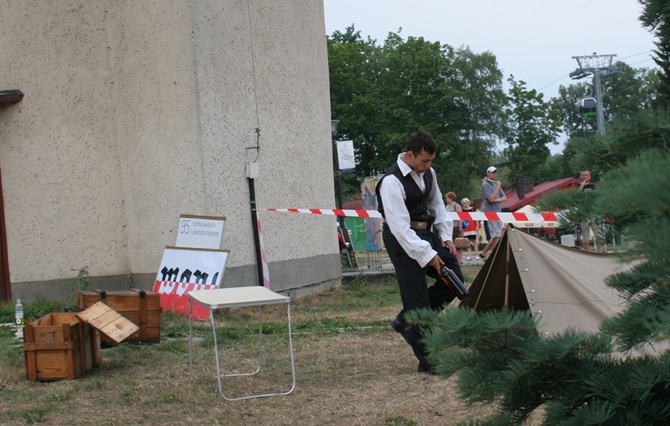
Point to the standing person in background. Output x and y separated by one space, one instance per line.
588 224
485 223
417 234
470 229
493 197
452 206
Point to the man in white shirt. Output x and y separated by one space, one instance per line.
417 235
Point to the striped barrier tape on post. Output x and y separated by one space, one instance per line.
505 217
264 256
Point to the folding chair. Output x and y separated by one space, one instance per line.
236 297
347 247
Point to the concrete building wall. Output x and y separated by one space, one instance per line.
138 111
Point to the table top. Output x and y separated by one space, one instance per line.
236 297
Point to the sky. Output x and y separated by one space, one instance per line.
533 40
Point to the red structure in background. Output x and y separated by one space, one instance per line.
516 200
527 194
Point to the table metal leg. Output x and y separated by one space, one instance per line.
190 337
260 352
290 346
260 349
216 353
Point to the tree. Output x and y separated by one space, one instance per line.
629 91
382 93
417 91
354 96
625 93
574 122
533 125
479 90
655 18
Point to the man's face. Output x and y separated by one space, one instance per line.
492 175
421 162
585 176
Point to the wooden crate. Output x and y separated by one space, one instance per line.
59 346
143 308
108 322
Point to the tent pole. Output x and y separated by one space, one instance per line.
507 260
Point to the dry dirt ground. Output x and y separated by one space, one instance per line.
353 378
352 369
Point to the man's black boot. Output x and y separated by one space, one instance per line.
398 325
426 369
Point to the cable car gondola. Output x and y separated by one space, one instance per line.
587 106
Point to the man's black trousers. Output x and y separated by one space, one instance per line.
414 290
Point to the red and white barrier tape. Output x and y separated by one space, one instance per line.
264 256
485 216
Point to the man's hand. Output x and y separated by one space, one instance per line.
451 246
493 198
437 263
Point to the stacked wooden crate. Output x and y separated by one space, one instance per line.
140 307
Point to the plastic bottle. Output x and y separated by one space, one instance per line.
18 314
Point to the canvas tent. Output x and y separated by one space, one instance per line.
528 209
565 287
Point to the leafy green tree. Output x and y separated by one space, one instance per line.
533 125
479 90
629 91
553 168
426 86
625 93
354 93
382 93
574 122
417 82
655 18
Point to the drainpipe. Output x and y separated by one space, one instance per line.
252 172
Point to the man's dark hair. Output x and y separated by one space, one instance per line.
419 141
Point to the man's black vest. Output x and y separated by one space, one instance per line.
416 201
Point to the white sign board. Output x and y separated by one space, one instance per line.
200 231
346 160
185 269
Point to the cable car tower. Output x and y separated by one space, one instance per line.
597 66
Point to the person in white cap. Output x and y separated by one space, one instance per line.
493 197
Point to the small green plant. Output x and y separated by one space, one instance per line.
35 415
81 280
7 312
60 397
79 283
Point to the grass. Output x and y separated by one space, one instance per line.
352 369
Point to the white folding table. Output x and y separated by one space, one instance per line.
237 297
